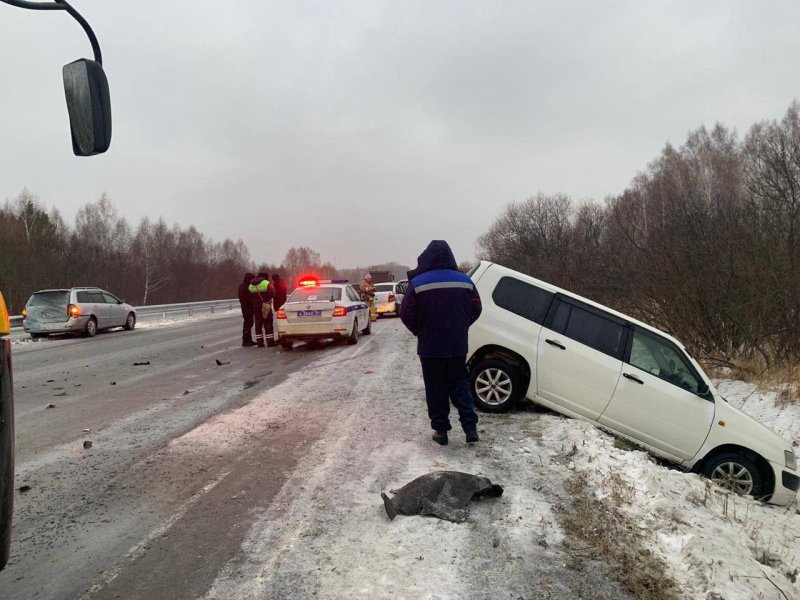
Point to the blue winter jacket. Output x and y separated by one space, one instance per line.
440 304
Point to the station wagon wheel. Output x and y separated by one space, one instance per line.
735 472
130 322
495 385
90 330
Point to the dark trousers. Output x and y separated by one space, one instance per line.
247 326
264 329
447 379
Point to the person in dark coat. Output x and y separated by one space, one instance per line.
279 289
439 307
261 293
246 304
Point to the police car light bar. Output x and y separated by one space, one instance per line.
316 282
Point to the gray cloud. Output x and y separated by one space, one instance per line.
365 129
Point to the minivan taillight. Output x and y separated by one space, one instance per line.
340 311
73 310
391 298
24 314
281 314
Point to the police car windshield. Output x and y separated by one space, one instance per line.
316 294
57 298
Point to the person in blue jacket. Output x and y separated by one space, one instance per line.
439 307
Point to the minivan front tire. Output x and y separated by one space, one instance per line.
735 472
130 322
495 386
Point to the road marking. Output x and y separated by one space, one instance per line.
138 550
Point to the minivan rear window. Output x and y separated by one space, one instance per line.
57 298
589 328
523 299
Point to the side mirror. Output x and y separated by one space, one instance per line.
702 389
89 106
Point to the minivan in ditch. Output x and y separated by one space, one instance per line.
584 360
78 310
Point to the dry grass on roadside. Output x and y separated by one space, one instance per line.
612 538
782 379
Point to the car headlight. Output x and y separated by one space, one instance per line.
791 460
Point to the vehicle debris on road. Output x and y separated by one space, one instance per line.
443 494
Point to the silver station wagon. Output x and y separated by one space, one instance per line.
80 310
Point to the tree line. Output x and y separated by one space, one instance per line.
704 243
152 263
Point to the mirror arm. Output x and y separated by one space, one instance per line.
63 5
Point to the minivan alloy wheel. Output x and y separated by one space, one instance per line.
493 386
734 477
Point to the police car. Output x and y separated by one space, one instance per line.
320 309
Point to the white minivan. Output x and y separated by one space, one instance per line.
588 361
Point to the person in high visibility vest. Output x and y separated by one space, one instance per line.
262 294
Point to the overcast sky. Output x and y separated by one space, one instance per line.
366 129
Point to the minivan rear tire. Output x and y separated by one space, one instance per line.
734 471
495 385
90 329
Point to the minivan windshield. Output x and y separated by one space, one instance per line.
57 298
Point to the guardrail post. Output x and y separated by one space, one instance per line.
212 309
164 316
190 311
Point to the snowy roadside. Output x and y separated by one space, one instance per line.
326 535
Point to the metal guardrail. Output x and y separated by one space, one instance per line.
162 310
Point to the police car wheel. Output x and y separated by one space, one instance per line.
353 337
368 330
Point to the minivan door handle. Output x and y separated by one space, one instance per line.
556 344
633 378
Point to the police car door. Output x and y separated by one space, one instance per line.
360 311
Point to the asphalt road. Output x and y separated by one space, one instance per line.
89 507
261 477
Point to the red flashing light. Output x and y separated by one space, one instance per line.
308 282
281 314
340 311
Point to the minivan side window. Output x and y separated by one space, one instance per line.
660 358
110 299
83 297
589 328
523 299
96 297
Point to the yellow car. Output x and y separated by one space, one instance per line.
6 435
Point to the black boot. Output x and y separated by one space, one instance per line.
248 343
472 437
440 437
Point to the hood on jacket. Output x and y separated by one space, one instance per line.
248 277
437 255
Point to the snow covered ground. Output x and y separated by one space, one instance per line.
327 534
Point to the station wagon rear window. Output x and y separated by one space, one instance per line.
522 299
57 298
316 294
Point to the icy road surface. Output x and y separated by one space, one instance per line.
261 478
